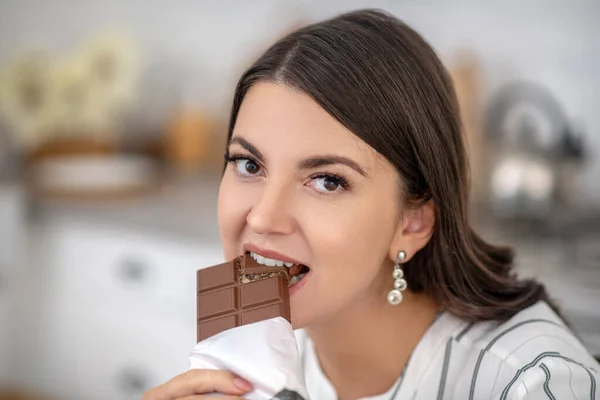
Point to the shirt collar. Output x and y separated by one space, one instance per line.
444 326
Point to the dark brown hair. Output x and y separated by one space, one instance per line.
381 80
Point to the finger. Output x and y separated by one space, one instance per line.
195 382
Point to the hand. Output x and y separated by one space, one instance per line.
195 383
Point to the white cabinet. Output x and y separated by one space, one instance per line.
133 269
115 312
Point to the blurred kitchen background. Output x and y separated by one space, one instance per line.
113 118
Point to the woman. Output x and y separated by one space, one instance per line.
345 155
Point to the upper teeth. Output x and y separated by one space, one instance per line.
270 262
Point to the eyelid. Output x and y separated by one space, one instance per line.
241 156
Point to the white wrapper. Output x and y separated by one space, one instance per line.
264 353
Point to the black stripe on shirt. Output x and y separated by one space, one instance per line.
445 369
464 331
526 367
540 357
493 341
547 381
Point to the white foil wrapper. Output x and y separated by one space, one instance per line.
264 353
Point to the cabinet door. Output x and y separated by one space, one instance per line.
98 352
109 328
121 359
135 268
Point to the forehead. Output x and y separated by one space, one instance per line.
275 116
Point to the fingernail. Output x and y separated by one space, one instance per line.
242 384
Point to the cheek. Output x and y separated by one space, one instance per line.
353 246
349 245
353 231
233 208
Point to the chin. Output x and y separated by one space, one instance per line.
299 319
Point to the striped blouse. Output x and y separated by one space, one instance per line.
531 356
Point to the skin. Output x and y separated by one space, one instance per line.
348 236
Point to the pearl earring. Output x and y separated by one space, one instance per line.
394 296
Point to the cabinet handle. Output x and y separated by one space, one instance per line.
134 381
133 270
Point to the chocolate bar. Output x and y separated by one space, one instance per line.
240 292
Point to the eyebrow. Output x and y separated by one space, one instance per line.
248 146
319 161
306 163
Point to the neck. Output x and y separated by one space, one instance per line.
365 349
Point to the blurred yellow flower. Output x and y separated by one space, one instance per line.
78 112
112 60
83 94
25 99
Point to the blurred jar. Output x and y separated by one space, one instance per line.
188 129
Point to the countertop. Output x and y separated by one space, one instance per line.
184 207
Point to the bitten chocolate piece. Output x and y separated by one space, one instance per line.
240 292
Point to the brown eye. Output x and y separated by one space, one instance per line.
326 183
330 184
251 167
245 166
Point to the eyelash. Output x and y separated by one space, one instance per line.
341 181
235 158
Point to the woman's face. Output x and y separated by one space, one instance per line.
301 185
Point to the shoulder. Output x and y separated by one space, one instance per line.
533 352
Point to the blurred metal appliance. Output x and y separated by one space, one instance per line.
534 153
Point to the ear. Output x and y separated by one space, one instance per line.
414 231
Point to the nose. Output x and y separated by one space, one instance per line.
271 211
